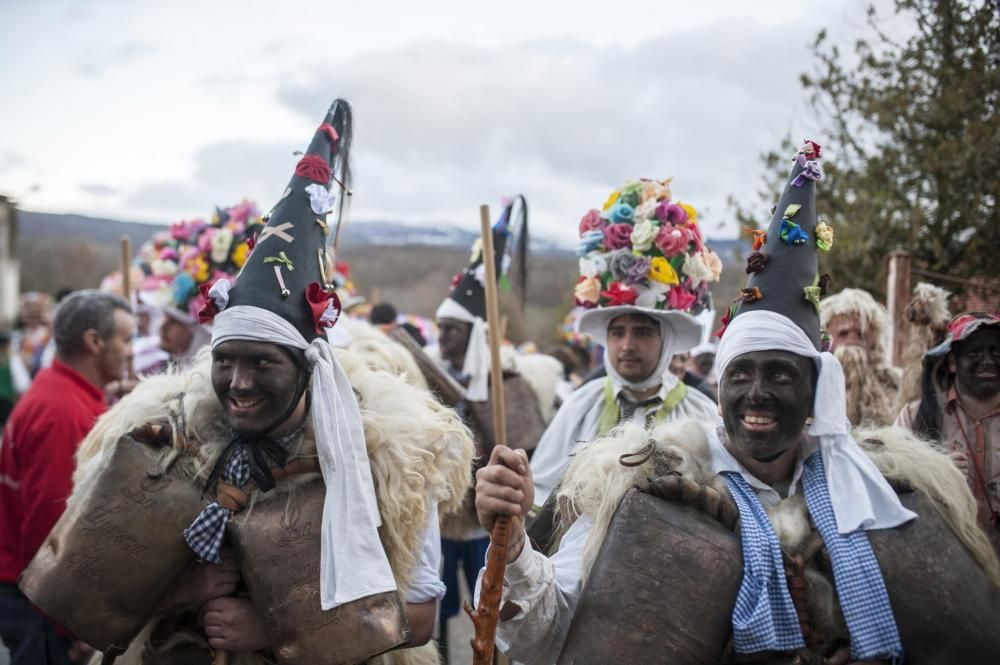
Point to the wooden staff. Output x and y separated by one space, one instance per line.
126 260
485 616
126 263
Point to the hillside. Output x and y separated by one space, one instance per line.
62 251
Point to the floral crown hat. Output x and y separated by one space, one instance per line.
644 254
782 271
181 264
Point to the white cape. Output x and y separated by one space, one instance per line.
576 423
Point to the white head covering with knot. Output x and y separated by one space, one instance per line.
353 563
861 496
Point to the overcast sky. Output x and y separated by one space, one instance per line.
159 111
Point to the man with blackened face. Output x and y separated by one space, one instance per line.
260 386
784 452
766 401
960 408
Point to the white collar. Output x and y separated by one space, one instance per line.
722 460
621 393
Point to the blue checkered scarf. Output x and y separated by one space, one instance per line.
764 617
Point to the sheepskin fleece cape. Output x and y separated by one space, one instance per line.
420 453
595 482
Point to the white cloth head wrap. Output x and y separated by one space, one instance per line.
659 375
860 495
477 354
353 563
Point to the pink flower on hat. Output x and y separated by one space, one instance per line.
671 239
680 298
592 222
618 236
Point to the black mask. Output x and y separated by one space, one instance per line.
977 363
765 397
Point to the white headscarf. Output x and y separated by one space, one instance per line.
353 563
477 353
860 495
659 375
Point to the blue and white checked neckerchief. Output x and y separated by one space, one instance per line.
764 617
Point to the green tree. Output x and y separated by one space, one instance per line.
911 144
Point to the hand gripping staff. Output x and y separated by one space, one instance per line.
484 617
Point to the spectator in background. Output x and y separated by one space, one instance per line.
858 327
680 367
14 377
34 330
93 333
959 407
385 317
703 365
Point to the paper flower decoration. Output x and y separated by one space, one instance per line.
645 249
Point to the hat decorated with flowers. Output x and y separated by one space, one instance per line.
783 269
181 264
643 253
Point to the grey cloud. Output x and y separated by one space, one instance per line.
441 127
225 173
98 59
99 189
11 160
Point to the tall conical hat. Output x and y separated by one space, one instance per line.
289 271
783 275
469 286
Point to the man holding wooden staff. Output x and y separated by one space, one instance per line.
774 538
464 353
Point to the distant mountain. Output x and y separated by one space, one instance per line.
41 225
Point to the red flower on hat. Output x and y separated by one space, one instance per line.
680 298
617 294
315 168
208 309
330 132
325 307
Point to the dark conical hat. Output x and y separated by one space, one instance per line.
468 288
783 272
289 271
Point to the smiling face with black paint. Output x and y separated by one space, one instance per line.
765 398
255 383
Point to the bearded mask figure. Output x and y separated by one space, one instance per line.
858 325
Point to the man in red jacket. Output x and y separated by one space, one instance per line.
93 335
